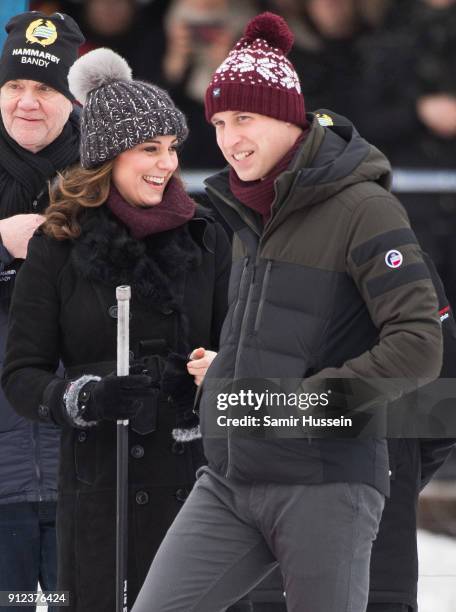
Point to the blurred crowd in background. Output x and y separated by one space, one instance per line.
387 65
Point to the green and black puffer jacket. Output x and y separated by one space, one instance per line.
313 298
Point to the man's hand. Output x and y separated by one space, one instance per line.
16 232
200 360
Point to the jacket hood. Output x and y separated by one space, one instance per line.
333 157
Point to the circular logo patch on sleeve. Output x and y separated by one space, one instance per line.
394 259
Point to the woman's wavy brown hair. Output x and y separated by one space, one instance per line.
76 189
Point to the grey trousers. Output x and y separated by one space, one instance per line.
229 536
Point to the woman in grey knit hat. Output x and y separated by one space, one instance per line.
122 217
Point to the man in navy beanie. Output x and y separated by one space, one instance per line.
39 137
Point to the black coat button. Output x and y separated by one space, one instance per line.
142 498
112 311
84 396
137 451
182 494
43 411
82 436
167 311
178 448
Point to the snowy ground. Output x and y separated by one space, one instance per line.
437 583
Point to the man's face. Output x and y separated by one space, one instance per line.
253 144
33 113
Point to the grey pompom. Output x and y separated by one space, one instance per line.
94 69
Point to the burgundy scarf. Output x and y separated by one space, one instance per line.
175 209
259 195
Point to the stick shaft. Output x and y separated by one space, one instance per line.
123 295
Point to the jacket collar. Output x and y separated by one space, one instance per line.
106 253
329 160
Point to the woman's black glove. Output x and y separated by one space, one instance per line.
90 399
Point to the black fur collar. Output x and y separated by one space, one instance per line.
154 267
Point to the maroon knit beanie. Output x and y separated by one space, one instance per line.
257 77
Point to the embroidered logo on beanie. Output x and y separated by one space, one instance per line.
40 48
257 76
42 32
324 119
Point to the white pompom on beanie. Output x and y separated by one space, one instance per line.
118 112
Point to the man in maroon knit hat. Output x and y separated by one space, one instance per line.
329 296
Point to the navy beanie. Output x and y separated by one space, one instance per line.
40 48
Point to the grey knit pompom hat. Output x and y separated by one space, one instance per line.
118 112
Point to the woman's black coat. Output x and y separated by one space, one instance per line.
64 307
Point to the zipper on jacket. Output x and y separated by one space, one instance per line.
241 283
262 296
36 448
236 363
231 204
278 212
244 320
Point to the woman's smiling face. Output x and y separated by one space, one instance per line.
141 174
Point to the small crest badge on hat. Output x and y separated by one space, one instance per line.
216 92
324 119
42 32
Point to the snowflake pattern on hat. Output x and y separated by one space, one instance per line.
257 77
259 65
